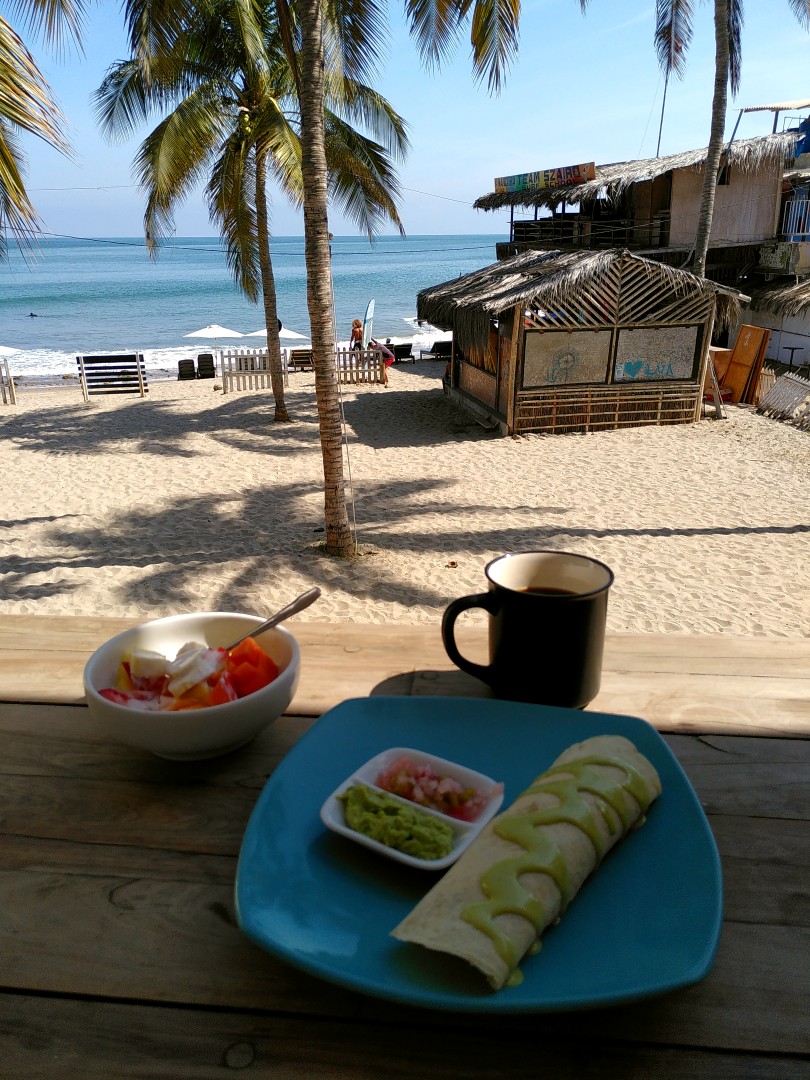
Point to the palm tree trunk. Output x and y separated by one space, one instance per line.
715 148
269 288
319 277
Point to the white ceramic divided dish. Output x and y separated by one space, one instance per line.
193 734
464 831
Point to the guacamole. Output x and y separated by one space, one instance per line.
390 822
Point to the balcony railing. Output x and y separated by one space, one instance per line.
573 231
796 220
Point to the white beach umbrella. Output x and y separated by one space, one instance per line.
5 350
213 332
291 335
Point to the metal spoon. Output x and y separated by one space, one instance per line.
303 601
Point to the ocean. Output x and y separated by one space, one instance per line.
76 296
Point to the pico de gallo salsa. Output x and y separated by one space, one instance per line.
420 783
199 676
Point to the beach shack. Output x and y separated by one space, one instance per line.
564 341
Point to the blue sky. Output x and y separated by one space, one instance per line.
584 88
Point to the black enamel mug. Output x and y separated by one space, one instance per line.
547 613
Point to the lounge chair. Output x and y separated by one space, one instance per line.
119 373
403 353
439 350
206 368
186 369
300 360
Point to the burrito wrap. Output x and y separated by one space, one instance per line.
528 858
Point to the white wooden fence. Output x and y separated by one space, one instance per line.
360 366
248 369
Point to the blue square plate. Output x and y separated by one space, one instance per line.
648 921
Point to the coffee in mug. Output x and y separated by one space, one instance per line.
547 613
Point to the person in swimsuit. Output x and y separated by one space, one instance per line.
357 335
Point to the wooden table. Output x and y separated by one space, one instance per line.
119 952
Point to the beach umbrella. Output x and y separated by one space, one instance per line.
291 335
6 351
213 332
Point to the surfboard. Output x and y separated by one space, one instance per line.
367 322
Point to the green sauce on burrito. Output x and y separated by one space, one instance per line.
390 822
501 883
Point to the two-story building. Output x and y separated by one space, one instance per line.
760 239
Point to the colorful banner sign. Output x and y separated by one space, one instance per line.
546 178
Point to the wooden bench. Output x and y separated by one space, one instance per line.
121 373
248 369
361 366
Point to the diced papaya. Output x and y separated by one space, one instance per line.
223 690
248 650
248 678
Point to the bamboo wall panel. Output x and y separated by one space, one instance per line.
745 210
601 408
656 353
480 384
554 358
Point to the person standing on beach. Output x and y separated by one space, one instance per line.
357 335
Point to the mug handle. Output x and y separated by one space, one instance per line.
451 613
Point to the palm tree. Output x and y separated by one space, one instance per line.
233 114
27 104
351 28
673 35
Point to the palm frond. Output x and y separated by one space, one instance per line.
17 214
801 9
494 36
355 37
363 105
26 100
276 138
735 25
173 159
435 26
361 179
58 20
674 23
231 205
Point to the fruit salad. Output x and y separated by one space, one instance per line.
198 676
421 784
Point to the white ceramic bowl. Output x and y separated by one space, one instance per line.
192 734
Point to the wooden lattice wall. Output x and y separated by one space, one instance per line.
629 297
562 410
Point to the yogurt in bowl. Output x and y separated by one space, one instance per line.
196 733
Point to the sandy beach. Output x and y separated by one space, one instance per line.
194 499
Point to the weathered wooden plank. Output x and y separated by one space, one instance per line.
49 1039
133 933
144 939
686 683
44 744
162 928
747 1002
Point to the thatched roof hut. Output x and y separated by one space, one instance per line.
782 299
746 155
550 280
558 341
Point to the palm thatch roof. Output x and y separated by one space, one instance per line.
611 180
781 299
547 279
